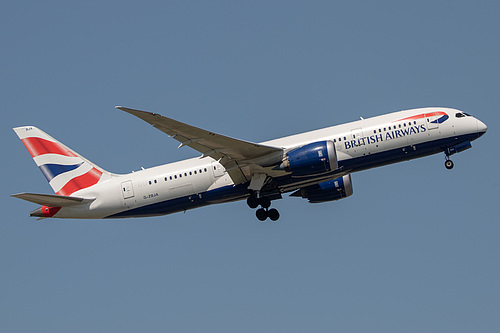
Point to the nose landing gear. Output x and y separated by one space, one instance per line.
448 164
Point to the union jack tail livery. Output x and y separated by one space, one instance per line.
66 171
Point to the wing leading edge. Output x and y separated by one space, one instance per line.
240 158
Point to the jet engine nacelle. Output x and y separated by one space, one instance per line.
311 159
331 190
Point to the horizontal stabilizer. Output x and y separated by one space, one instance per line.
51 200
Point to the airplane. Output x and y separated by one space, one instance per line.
315 165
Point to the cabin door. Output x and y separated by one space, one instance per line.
127 190
432 121
218 169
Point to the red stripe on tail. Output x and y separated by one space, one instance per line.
39 146
86 180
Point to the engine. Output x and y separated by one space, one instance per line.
311 159
327 191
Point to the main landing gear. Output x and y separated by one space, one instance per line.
264 212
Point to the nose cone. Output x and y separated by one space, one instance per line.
481 127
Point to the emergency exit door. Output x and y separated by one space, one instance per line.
127 190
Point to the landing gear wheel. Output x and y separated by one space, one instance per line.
261 214
448 164
273 214
265 202
252 202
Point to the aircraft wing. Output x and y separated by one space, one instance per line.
234 154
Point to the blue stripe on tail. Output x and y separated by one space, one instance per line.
53 170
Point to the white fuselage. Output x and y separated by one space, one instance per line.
196 182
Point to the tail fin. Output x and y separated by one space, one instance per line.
66 171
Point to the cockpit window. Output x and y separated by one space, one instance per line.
468 115
459 115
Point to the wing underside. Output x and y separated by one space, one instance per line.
240 158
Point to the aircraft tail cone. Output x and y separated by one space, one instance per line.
37 212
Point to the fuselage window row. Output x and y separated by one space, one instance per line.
380 130
180 175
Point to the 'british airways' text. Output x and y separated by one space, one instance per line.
399 133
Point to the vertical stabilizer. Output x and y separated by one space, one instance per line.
66 171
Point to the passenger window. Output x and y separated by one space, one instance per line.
149 182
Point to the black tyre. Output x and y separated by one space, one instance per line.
448 164
265 202
273 214
261 214
252 202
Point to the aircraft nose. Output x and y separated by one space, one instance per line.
481 127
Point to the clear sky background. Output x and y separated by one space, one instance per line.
415 249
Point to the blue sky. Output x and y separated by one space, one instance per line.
414 249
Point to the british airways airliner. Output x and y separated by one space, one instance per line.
314 165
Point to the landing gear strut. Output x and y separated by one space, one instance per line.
264 212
